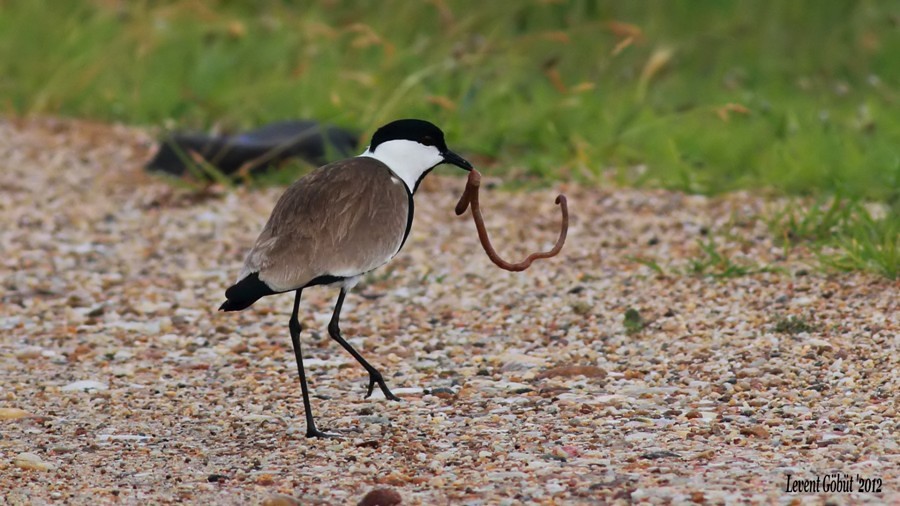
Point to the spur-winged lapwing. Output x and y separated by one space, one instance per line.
339 222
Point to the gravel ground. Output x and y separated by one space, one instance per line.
121 383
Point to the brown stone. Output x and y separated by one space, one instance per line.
381 497
756 430
568 371
281 500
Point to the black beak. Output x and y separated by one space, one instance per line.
454 159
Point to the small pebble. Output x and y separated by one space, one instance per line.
264 479
84 386
13 413
281 500
32 461
587 371
381 497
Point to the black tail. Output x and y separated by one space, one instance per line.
244 293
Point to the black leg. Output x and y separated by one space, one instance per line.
334 330
294 325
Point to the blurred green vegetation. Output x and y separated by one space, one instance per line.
796 97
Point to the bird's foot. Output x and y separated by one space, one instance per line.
314 432
377 378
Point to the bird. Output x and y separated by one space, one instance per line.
337 223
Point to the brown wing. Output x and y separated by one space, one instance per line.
343 219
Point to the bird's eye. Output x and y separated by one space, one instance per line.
428 141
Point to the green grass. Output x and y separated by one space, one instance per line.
712 262
796 97
633 321
867 244
794 325
649 262
843 233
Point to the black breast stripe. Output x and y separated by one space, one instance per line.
409 217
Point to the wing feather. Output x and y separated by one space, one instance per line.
342 219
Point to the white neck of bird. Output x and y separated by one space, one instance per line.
407 159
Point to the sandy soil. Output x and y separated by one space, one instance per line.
120 383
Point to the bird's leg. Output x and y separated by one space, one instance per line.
334 330
294 325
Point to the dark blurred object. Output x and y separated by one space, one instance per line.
255 151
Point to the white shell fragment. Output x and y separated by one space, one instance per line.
84 386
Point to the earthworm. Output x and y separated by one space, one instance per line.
470 196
